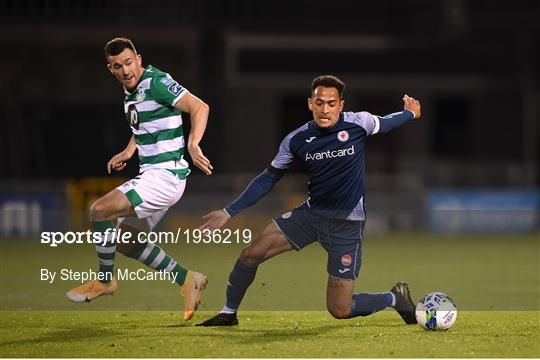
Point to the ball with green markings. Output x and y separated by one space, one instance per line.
436 311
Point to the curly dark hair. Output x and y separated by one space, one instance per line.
328 81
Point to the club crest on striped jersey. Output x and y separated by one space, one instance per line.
133 116
141 94
343 136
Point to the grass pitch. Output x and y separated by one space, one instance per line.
494 280
264 334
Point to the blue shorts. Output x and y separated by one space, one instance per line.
342 239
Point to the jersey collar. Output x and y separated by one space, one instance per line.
336 125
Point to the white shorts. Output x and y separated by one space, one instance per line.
151 193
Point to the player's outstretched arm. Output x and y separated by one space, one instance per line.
392 121
118 161
256 190
198 111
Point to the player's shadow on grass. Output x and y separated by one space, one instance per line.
250 336
67 335
281 335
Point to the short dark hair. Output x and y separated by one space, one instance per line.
328 81
116 46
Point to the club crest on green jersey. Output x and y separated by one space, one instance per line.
141 94
133 116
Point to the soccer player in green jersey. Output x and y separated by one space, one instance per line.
153 105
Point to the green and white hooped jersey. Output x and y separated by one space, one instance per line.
156 123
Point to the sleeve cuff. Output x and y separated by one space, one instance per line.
377 126
179 97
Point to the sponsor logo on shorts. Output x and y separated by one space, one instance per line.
129 184
286 215
346 260
343 136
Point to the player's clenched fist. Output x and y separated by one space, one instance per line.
413 105
118 162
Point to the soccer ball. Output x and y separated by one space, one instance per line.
436 311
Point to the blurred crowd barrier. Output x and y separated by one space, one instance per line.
28 207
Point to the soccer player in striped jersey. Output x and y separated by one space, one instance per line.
153 105
331 148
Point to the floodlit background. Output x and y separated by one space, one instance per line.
468 167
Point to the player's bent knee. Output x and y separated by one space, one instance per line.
339 312
100 210
110 208
251 257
